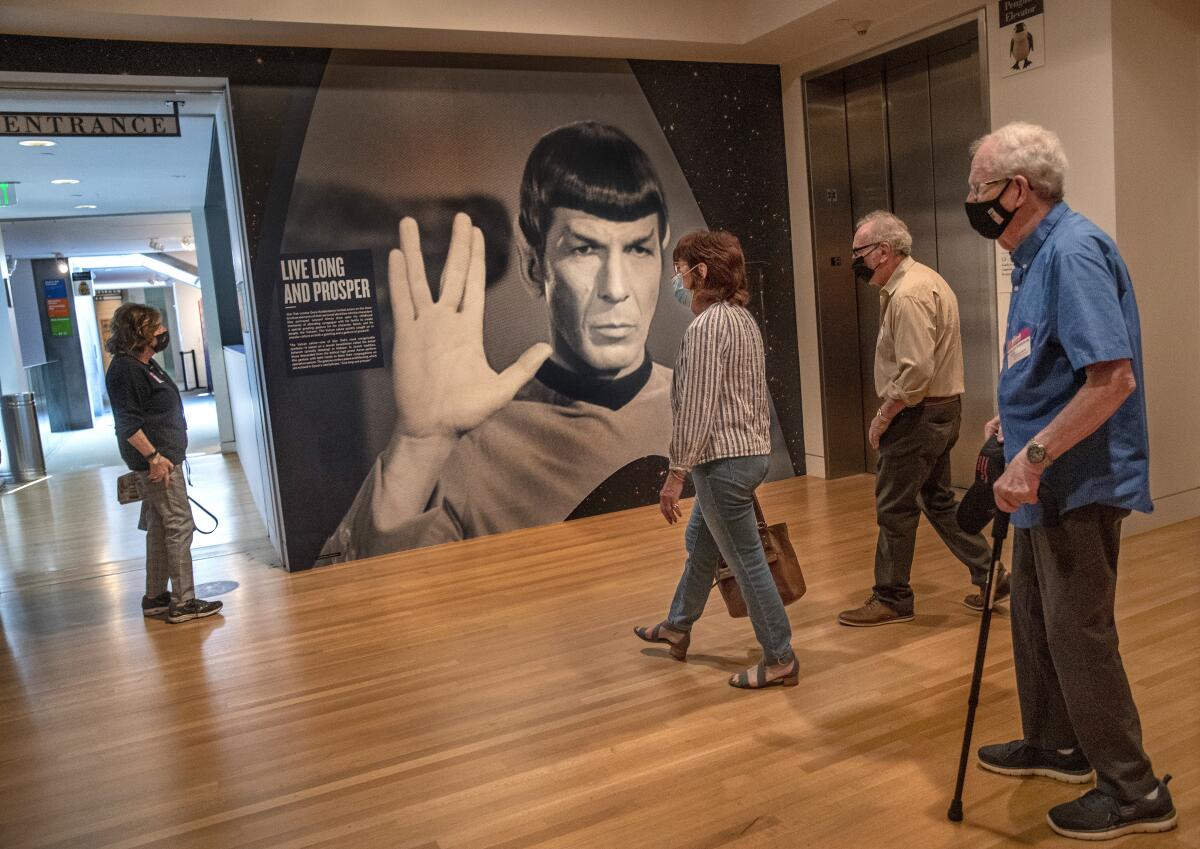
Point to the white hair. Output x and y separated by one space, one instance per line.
889 230
1031 151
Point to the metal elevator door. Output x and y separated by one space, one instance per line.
892 132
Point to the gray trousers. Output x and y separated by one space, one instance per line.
1070 679
167 520
913 477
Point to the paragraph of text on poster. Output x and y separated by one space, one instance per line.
330 314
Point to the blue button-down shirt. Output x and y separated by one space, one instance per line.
1073 306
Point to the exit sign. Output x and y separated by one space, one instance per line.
8 194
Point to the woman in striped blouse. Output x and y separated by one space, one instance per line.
721 437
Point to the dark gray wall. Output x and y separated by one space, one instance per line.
216 217
70 405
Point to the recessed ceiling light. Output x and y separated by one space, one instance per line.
37 143
85 206
65 181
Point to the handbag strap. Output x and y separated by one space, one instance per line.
758 512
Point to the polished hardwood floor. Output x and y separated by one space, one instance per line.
490 695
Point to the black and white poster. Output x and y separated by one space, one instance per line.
330 314
513 220
502 209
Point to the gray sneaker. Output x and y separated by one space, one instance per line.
196 608
1018 758
156 606
1098 816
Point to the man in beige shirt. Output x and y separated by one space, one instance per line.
919 378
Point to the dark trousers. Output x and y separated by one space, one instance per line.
913 477
1070 679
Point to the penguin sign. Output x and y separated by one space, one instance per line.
1022 35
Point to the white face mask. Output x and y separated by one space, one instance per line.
682 293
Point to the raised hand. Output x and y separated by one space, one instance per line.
441 378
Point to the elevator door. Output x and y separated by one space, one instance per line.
892 132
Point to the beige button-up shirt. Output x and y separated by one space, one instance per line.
919 350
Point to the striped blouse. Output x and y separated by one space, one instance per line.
719 393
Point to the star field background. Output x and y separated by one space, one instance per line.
725 124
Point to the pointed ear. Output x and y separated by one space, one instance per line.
666 239
529 266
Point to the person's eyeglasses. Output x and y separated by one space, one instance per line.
977 189
862 250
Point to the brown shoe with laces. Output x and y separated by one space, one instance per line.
873 612
1003 590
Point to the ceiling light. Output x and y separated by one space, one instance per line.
37 143
187 243
156 244
137 260
64 181
63 268
85 206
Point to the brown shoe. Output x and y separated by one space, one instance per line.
1003 590
873 612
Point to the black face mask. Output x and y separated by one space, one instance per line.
988 218
862 273
161 341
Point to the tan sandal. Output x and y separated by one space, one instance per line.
654 635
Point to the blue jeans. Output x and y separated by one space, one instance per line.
723 524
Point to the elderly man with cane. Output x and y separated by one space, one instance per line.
1073 417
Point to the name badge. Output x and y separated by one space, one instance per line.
1020 346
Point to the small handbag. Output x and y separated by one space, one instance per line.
127 488
781 558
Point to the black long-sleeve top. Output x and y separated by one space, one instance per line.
145 398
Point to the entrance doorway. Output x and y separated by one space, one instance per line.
97 221
892 132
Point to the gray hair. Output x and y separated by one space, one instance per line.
888 229
1031 151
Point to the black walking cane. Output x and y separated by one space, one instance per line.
977 508
999 532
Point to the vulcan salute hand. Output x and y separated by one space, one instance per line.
440 374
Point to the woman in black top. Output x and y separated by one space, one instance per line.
152 436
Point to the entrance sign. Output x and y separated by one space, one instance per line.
90 124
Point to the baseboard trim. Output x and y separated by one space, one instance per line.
1177 507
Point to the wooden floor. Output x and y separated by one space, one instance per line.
490 695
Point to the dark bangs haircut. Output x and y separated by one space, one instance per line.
132 328
594 168
721 251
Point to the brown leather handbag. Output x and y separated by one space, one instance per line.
781 558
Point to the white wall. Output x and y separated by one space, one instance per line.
1131 128
191 338
1073 95
12 375
1157 189
212 327
89 346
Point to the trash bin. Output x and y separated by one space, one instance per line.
22 439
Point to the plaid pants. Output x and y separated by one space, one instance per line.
167 520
